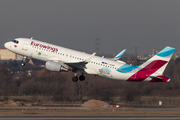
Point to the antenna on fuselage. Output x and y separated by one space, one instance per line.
31 38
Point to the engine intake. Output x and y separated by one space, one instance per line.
53 66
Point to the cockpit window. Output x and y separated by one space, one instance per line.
15 41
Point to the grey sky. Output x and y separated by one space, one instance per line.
75 24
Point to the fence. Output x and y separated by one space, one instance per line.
61 102
122 103
142 103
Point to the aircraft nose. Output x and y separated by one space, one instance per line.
6 45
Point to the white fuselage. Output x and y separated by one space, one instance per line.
44 51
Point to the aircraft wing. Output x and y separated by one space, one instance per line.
76 65
82 62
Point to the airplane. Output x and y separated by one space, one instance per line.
63 59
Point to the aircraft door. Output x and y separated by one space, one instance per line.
26 45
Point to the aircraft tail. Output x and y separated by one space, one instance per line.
153 69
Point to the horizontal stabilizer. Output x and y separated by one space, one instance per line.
160 78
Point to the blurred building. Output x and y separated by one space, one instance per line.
8 55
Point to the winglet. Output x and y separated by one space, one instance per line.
120 54
89 58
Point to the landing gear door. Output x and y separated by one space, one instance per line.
25 45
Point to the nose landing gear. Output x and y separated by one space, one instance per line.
23 61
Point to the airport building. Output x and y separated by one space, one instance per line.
6 55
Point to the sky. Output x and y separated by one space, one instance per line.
119 24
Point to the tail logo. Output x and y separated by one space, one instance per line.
147 71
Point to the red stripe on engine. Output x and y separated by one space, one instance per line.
147 71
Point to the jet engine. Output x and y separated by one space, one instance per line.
53 66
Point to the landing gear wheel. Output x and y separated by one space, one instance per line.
82 78
23 61
75 79
22 64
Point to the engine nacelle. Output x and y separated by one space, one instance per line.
53 66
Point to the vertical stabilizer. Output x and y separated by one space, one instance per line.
153 69
160 60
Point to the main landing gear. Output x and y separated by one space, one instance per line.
82 77
75 78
